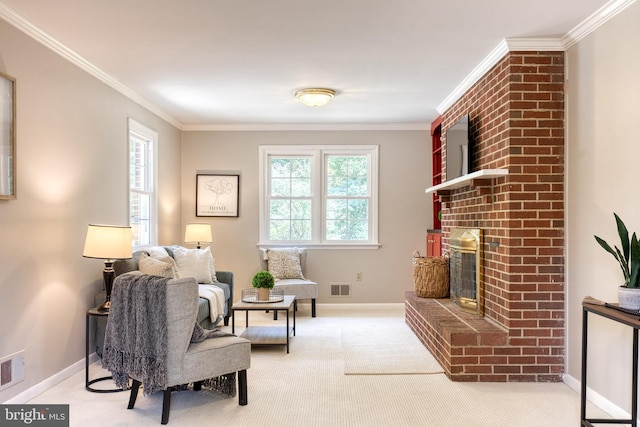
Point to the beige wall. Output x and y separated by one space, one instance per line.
72 170
602 164
403 209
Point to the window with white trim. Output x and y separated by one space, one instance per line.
143 217
319 195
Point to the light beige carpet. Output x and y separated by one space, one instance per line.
384 348
308 388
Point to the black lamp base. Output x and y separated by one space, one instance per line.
108 274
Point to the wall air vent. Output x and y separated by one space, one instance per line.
11 369
341 289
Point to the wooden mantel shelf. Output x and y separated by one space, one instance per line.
466 180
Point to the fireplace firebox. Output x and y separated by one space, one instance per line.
464 269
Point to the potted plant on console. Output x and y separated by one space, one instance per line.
628 256
264 282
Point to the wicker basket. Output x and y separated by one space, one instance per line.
430 276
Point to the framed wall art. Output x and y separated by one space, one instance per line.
217 195
7 137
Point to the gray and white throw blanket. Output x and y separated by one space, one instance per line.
135 342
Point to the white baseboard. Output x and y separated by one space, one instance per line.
53 380
597 399
359 304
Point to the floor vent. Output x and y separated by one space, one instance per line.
340 289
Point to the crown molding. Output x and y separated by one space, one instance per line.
534 44
247 127
495 56
480 70
598 18
583 29
563 43
23 24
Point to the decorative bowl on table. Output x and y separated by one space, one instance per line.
251 295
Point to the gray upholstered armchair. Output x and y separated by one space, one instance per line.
187 361
290 277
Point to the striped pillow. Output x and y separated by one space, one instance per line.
154 267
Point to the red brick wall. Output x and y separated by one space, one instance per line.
517 120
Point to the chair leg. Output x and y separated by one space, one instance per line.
313 307
197 386
135 386
166 405
226 320
275 314
242 387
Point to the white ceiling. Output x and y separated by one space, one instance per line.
217 63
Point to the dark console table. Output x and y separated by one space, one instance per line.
632 320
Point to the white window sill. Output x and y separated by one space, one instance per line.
360 246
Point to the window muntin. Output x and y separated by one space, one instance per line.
142 180
347 198
290 198
318 195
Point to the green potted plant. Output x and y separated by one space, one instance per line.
264 282
628 256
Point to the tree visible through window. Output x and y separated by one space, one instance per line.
319 195
347 198
290 198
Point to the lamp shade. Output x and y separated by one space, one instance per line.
315 97
107 242
198 233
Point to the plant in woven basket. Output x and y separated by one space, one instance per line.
263 281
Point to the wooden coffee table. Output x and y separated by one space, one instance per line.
266 334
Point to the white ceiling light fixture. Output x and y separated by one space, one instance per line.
315 97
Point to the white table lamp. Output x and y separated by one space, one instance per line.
198 233
108 242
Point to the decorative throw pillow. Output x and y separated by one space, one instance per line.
157 252
194 263
172 263
161 254
154 267
284 263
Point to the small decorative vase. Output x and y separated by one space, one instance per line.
629 298
263 294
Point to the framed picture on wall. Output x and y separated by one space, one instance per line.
217 195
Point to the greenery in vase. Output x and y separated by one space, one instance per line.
263 279
628 256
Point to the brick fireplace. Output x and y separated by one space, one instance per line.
517 121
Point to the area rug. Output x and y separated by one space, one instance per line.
386 347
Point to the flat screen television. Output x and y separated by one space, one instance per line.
458 149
